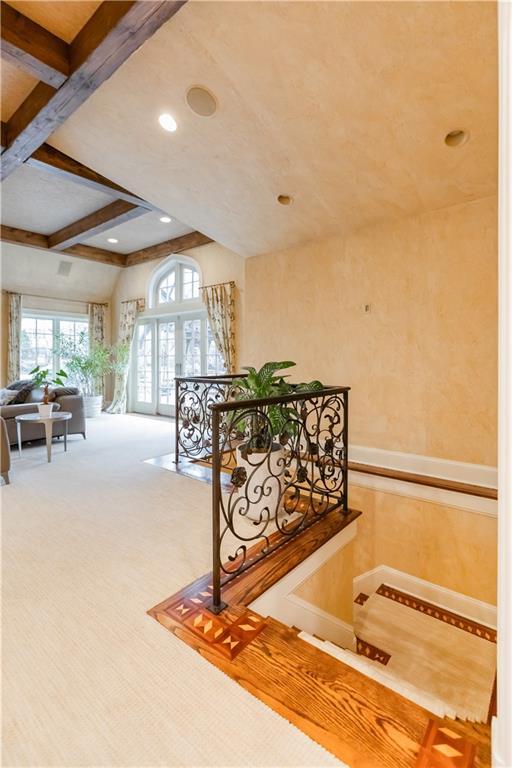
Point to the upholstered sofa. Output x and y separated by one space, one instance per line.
67 398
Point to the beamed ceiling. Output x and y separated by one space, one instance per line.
54 56
342 105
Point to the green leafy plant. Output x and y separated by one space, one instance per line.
86 363
269 420
41 378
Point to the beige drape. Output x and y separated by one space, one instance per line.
220 308
13 336
129 311
97 331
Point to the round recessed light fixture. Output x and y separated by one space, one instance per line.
112 240
201 101
167 122
456 138
165 219
285 199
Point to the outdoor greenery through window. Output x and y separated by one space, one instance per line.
40 336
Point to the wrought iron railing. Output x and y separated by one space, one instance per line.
286 458
193 397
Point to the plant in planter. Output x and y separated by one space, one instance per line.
41 378
87 364
260 426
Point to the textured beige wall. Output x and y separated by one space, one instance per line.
441 544
422 364
217 264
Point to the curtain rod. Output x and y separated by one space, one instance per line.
216 285
54 298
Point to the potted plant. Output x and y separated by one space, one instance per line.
260 455
87 365
41 378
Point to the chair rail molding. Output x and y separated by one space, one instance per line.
442 469
502 732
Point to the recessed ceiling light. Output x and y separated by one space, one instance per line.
201 101
284 199
456 138
167 122
112 240
165 219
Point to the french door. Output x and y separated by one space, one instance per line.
163 348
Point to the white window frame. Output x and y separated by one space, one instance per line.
178 263
56 317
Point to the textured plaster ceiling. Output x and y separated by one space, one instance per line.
139 233
40 202
30 270
343 105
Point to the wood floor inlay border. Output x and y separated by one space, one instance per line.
443 747
361 598
435 612
371 651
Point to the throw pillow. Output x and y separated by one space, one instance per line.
62 391
21 384
7 396
21 394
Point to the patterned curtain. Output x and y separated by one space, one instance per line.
220 308
97 331
13 337
129 311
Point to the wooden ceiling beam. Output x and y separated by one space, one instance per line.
107 217
33 48
23 237
47 158
36 240
176 245
107 40
96 254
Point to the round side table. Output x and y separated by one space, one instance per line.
48 422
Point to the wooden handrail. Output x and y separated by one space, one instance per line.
482 491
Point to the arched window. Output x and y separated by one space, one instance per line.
175 281
172 337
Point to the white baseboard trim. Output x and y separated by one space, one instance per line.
470 607
280 602
318 622
460 471
463 501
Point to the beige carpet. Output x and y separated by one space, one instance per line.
89 543
455 666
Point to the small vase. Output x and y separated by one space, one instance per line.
45 410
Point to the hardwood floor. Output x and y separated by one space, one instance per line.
361 722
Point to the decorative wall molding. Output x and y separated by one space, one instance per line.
280 602
462 472
469 607
474 474
425 493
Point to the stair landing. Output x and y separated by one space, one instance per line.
357 719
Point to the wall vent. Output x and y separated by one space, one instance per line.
64 268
